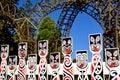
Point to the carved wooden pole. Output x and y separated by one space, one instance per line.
112 62
67 49
32 66
54 64
95 44
22 53
82 64
12 67
4 55
42 52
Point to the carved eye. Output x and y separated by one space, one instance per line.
64 42
56 57
20 47
3 49
10 60
115 53
85 55
98 38
69 41
24 46
109 54
92 39
79 56
51 57
44 45
14 59
40 44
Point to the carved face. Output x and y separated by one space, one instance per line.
32 61
42 48
12 62
4 51
22 50
95 43
67 46
112 57
82 59
54 60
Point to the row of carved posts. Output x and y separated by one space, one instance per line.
95 45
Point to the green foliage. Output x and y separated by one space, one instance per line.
6 35
48 31
15 37
74 60
6 30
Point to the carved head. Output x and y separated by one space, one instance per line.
95 43
82 59
12 62
42 48
54 60
4 51
22 49
112 57
67 46
32 61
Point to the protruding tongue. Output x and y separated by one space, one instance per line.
68 51
54 66
42 53
22 54
4 56
81 65
95 49
31 67
112 64
11 68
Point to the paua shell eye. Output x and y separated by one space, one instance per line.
69 41
44 45
92 39
56 57
20 47
115 53
51 57
98 38
24 46
40 44
109 54
64 42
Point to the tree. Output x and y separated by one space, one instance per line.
7 28
48 31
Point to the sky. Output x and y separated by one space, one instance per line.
81 28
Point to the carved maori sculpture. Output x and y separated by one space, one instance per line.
32 62
112 62
22 53
54 64
4 55
12 61
82 64
96 64
68 73
42 52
